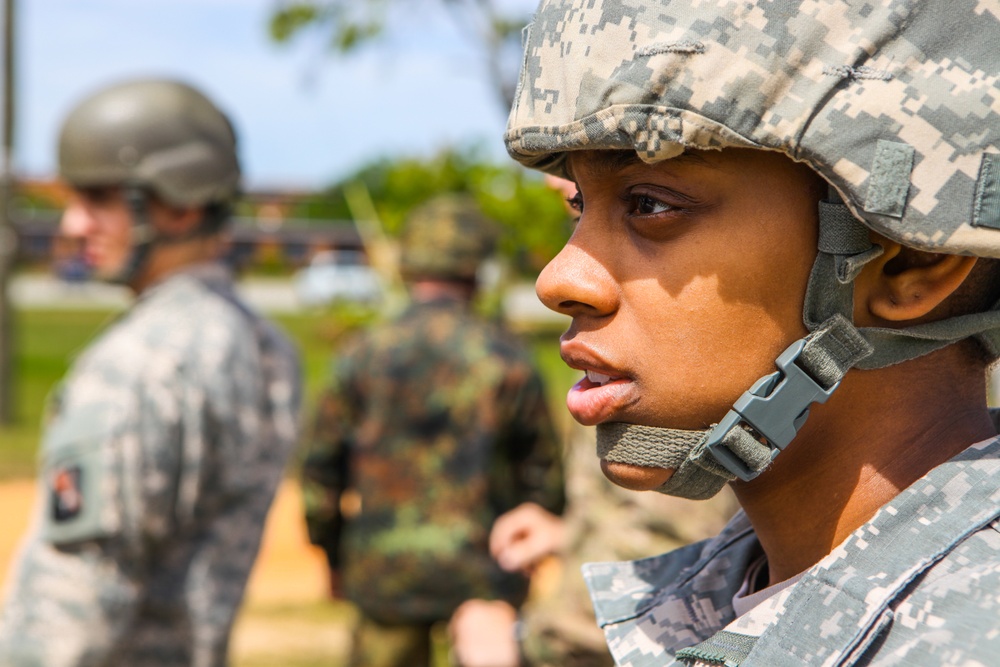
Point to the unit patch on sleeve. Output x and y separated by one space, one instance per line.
66 490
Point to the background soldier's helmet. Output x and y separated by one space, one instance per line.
448 238
162 136
896 103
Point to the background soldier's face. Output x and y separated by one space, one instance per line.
685 280
102 219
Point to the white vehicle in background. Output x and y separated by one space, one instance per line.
337 275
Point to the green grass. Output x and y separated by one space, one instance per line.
47 341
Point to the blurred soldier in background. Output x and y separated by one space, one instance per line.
434 424
602 522
167 439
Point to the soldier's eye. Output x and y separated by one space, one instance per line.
646 205
99 195
576 203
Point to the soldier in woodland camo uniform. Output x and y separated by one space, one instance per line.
166 440
602 521
434 424
785 279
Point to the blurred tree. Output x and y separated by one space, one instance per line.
352 24
8 238
531 215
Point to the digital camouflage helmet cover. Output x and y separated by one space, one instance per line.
895 103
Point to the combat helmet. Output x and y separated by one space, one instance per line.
895 104
162 136
153 137
446 238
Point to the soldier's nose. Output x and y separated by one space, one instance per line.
76 220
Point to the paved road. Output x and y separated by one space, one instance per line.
264 294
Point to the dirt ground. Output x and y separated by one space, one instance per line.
285 620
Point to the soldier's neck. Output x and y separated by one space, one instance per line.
880 432
166 259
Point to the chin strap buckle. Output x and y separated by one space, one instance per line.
770 413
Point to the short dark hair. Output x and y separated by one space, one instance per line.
980 292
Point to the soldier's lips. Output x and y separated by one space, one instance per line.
593 401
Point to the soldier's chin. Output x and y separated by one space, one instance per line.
108 272
636 478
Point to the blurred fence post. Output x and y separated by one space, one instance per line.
383 253
8 237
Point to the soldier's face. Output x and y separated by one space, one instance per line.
102 219
685 280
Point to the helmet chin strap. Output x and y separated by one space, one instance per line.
766 418
144 236
759 426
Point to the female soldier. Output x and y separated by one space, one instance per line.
786 204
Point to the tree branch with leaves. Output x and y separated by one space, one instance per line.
351 25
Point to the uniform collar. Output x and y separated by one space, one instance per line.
214 275
682 598
868 570
712 569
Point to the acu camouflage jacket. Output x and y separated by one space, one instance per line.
918 585
163 450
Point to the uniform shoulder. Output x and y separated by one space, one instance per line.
948 617
968 577
188 316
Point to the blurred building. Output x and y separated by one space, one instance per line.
263 235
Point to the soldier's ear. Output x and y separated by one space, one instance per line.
176 221
905 286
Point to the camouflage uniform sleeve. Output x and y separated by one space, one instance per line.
152 489
109 474
531 447
326 465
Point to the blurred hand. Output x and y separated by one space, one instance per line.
524 536
482 634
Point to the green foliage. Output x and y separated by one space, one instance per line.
48 341
507 28
349 36
289 19
350 23
532 216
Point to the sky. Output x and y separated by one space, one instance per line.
304 118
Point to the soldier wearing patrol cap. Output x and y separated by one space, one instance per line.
785 279
434 424
166 441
